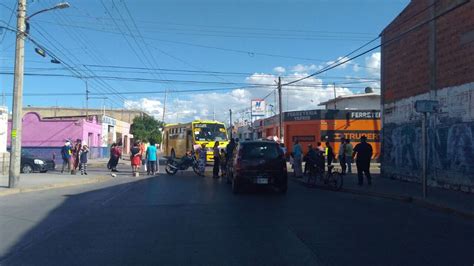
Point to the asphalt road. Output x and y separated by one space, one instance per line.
188 220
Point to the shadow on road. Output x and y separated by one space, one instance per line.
189 220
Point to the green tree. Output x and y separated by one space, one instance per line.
146 128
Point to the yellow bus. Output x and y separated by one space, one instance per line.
180 138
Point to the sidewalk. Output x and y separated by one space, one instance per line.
456 202
43 181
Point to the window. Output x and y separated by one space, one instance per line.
260 151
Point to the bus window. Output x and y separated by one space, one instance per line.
209 132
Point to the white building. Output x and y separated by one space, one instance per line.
365 101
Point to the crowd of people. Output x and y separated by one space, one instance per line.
143 156
74 157
318 157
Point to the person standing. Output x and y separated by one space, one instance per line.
283 149
342 155
115 154
135 158
297 157
76 150
364 151
222 158
310 160
348 149
202 152
143 154
329 154
66 156
229 152
152 157
320 148
83 159
215 169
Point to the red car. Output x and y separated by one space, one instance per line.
258 163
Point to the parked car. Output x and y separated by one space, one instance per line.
31 163
258 163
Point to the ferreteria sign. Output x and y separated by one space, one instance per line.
337 135
331 115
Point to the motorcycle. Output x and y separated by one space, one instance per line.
173 165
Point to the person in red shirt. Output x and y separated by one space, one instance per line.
115 154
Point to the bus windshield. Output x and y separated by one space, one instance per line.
209 132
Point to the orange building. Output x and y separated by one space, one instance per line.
312 126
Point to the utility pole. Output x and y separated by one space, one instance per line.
424 153
334 87
230 122
87 100
15 154
164 105
280 111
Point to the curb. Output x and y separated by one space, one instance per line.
53 186
408 199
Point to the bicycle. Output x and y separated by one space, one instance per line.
332 179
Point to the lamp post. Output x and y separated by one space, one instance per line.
22 31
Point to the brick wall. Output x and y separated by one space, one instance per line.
405 61
405 65
406 79
455 60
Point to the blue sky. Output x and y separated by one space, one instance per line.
256 40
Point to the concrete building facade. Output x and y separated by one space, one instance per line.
124 115
432 62
369 101
313 126
44 136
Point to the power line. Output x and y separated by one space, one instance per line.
198 73
80 38
150 80
381 44
9 20
71 57
265 29
209 71
238 51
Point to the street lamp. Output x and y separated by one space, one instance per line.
21 32
61 5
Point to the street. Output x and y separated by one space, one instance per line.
188 220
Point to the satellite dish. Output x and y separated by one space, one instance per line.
369 90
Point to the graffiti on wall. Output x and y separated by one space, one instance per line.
450 138
401 148
450 152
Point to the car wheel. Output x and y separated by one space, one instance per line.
44 171
27 168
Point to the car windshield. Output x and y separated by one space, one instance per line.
209 132
260 151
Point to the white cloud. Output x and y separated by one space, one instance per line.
299 68
373 64
279 69
339 60
306 94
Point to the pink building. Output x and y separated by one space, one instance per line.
45 137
